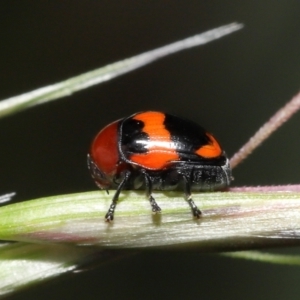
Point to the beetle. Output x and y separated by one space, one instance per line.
154 150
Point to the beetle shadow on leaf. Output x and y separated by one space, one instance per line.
156 219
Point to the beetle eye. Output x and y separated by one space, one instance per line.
100 178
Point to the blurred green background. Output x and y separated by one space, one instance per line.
231 87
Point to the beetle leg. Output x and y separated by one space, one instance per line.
154 205
110 213
187 189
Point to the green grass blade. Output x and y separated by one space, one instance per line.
55 226
83 81
231 220
280 259
22 264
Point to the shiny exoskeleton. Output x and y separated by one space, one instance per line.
157 151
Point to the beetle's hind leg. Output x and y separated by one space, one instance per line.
188 195
155 208
110 213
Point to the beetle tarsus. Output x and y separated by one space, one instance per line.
155 208
195 210
109 218
110 213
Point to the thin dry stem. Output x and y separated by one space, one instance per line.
281 116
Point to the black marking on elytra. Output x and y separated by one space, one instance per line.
188 137
132 136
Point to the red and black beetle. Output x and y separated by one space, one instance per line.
156 150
